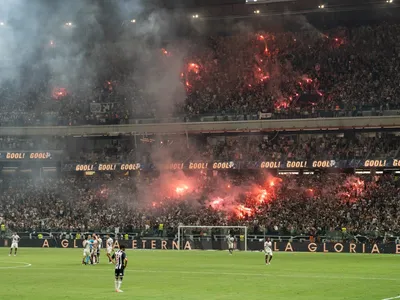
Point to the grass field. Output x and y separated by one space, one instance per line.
57 274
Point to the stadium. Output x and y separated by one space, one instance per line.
214 149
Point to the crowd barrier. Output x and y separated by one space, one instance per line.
359 123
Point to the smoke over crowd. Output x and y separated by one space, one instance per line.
78 47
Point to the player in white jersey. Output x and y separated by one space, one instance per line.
230 240
14 244
94 249
268 251
86 251
99 244
109 247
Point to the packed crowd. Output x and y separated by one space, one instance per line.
307 74
310 205
304 147
274 147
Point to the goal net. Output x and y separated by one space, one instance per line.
211 237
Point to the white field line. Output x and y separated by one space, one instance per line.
217 273
21 265
397 297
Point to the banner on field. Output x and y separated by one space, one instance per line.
210 244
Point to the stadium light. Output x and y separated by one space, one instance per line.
322 6
133 21
389 1
68 24
257 11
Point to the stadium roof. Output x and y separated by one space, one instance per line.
238 9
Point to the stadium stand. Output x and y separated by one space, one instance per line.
341 72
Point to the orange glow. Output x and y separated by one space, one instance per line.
262 196
216 203
181 189
241 210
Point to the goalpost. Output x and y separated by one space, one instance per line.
212 237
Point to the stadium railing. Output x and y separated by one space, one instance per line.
51 119
206 127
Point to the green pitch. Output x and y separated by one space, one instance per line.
57 274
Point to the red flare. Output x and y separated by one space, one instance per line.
193 67
59 93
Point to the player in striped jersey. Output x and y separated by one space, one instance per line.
121 261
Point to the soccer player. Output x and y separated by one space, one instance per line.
86 251
109 246
268 251
95 246
230 239
14 244
99 244
121 261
